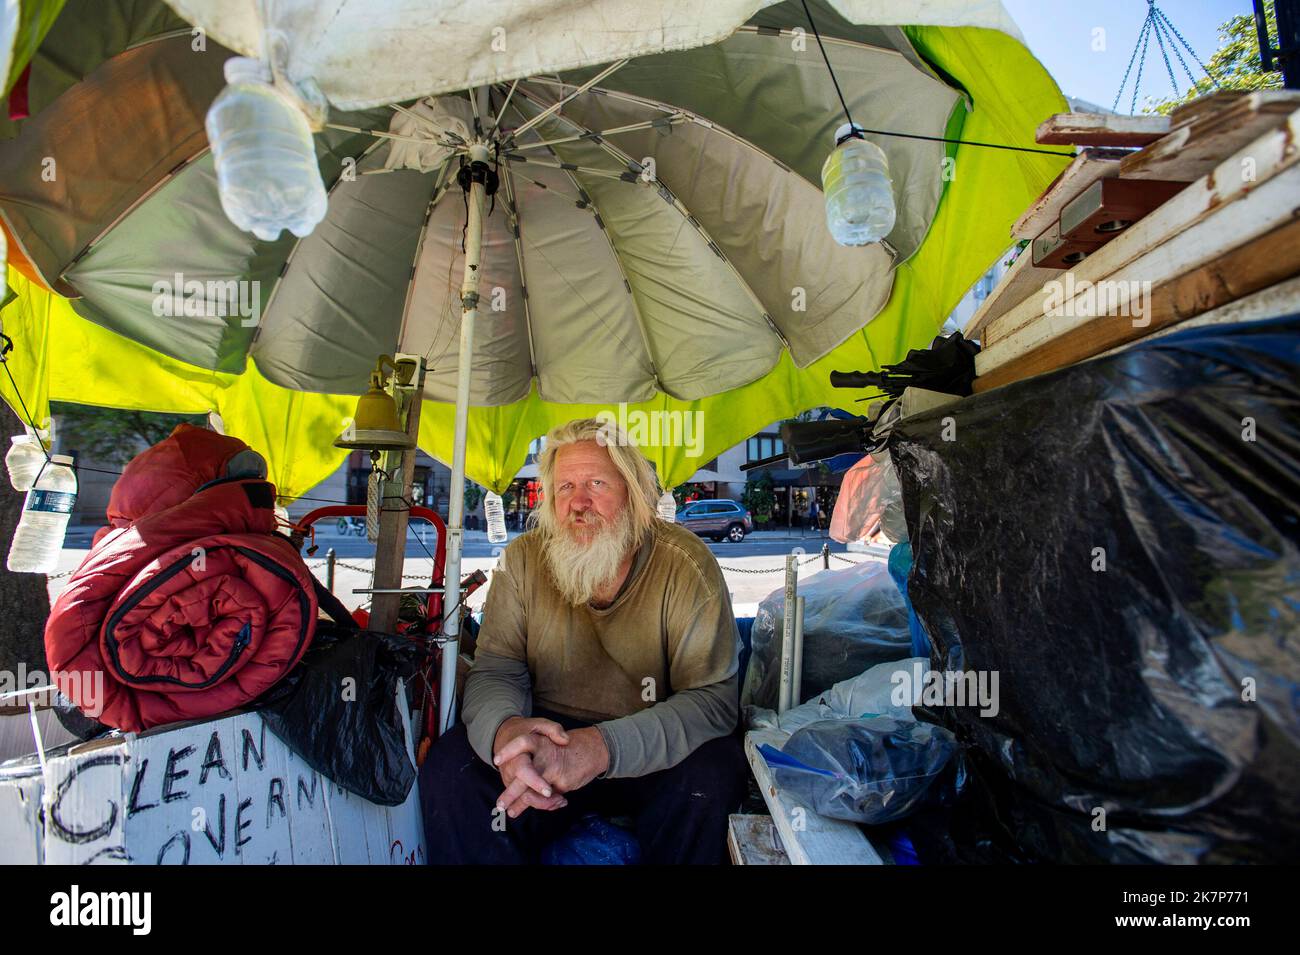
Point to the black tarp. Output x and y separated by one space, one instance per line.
1161 686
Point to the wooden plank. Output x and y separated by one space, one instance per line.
1273 153
1021 280
390 548
1101 129
1277 300
1095 162
1194 148
808 838
753 840
1258 264
1123 292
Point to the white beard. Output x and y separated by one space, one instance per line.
580 567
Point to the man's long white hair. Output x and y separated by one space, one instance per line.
580 569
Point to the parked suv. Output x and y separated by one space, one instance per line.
716 520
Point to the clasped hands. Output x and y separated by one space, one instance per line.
540 761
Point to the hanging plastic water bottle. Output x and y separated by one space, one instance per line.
859 195
496 517
39 537
266 165
25 459
667 507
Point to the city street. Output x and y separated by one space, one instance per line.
753 569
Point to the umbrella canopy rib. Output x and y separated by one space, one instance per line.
507 181
685 213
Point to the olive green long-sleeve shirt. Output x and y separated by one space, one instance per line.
656 671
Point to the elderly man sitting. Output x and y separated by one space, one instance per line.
605 677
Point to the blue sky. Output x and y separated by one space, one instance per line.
1061 34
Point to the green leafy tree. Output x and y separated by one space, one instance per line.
759 496
111 435
1236 64
473 496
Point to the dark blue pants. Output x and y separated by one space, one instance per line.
681 813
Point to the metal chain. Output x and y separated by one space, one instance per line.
1137 83
368 570
1170 24
769 570
845 559
1114 107
1186 69
1160 42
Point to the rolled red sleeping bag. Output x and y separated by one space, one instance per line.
187 612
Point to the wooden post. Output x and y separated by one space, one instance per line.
390 549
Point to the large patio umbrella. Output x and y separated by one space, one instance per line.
658 236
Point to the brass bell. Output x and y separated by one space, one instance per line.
376 424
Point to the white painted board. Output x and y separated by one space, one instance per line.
221 792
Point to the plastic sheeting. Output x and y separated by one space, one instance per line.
872 771
369 52
853 619
870 496
1120 541
873 692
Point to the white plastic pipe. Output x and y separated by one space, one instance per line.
456 502
787 635
796 677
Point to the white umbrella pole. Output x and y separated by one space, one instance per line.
456 503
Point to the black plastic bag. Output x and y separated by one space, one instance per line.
338 710
1120 541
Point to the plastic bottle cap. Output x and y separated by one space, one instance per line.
246 69
844 130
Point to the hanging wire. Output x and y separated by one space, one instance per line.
27 415
855 128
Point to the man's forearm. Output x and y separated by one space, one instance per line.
663 735
496 689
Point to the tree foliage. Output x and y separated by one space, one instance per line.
759 496
473 495
1236 64
111 435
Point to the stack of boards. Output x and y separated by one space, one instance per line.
1224 245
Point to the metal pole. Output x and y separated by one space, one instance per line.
478 152
826 556
330 558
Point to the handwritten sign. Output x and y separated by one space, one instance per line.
224 792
